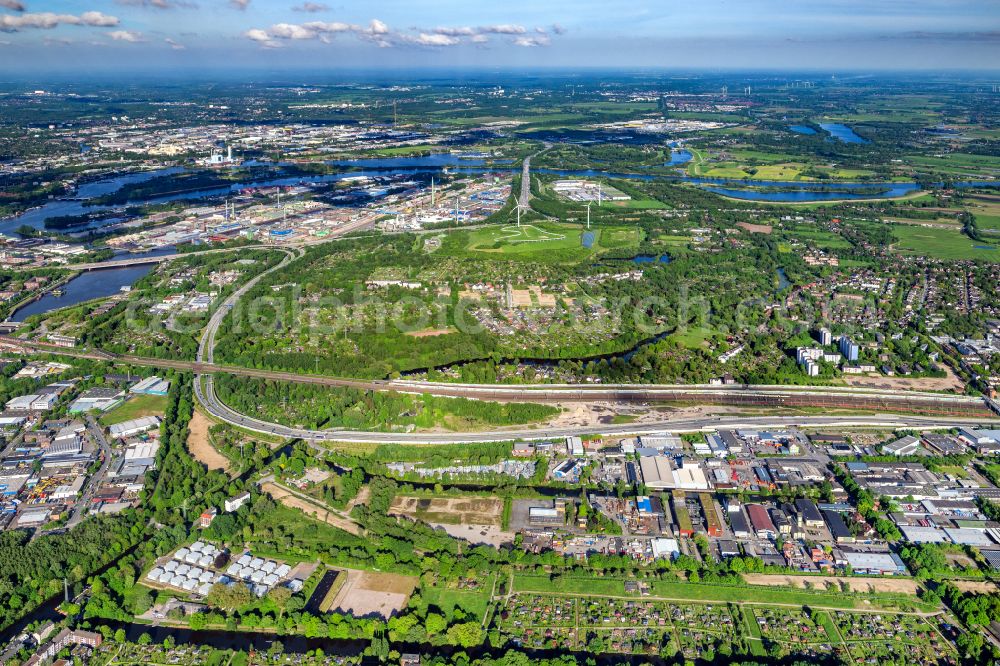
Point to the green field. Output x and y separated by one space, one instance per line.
137 407
693 338
541 241
941 244
473 602
824 240
705 592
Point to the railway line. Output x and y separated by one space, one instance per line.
872 400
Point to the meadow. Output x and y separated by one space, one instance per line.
541 241
938 243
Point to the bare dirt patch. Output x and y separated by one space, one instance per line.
314 510
431 332
486 511
369 593
948 383
200 445
977 586
895 585
756 228
487 535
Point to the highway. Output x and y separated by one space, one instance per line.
206 396
525 183
888 406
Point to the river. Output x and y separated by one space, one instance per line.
84 287
748 190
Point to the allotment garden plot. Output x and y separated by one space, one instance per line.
701 630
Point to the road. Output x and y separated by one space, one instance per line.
206 396
525 183
94 482
206 346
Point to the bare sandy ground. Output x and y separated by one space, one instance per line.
895 585
430 333
756 228
369 592
977 586
489 535
200 446
285 496
598 414
480 511
949 383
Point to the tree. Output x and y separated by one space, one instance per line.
229 597
466 634
280 596
434 623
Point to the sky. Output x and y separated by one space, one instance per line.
86 36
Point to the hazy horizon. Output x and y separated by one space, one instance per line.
88 36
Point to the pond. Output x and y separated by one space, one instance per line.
802 129
678 157
783 281
651 258
842 133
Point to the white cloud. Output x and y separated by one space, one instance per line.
427 39
504 29
262 38
158 4
529 42
240 4
311 7
49 20
130 36
291 31
380 34
558 29
13 5
176 46
98 19
464 31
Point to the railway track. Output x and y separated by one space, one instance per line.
739 396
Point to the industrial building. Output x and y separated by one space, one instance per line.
151 386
